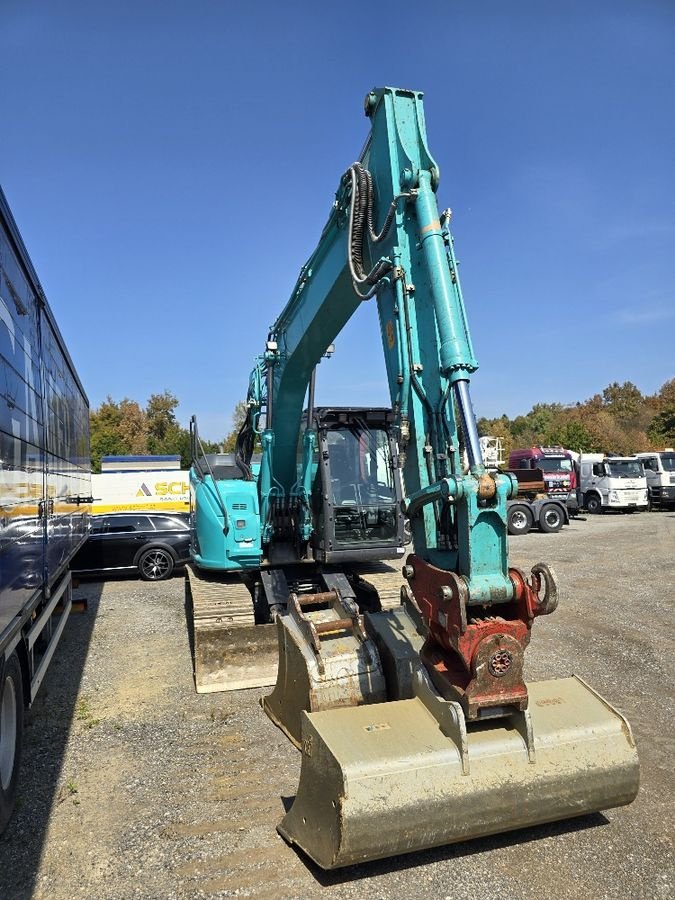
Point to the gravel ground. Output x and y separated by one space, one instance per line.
134 786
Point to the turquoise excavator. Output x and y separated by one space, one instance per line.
403 692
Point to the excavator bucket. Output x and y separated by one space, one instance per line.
326 659
231 652
395 777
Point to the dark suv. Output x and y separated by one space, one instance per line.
153 544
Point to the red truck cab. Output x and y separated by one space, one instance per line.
557 465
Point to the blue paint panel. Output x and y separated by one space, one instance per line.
242 547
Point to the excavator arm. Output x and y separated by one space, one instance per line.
386 242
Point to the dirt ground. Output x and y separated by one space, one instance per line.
134 786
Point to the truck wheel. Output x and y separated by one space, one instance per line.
519 520
551 518
11 735
155 564
593 503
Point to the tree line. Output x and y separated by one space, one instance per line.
619 420
125 428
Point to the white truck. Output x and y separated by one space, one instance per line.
659 469
611 482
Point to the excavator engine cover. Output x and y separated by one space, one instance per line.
396 777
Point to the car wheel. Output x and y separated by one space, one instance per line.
551 519
11 735
519 520
156 564
594 503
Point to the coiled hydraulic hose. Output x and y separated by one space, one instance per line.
361 223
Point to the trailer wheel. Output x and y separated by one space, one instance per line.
551 518
11 735
519 520
593 503
156 564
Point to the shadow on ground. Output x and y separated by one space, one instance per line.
451 851
47 726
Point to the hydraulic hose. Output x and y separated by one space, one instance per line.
361 218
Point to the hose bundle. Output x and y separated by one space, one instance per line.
361 217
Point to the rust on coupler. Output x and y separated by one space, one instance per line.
486 487
478 660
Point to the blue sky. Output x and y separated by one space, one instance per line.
171 164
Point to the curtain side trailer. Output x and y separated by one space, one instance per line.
45 491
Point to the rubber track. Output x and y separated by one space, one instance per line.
219 603
386 578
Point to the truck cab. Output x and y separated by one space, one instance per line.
611 482
557 465
659 469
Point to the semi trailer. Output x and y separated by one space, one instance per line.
45 491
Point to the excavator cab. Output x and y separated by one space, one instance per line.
357 489
236 592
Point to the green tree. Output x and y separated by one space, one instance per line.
536 427
574 435
117 429
662 428
124 427
623 401
666 395
239 414
133 427
160 412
